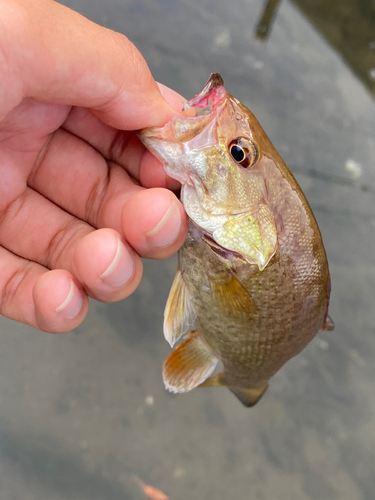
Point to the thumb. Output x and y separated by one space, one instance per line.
54 54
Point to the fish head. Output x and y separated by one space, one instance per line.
216 154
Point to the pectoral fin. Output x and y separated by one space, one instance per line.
188 365
232 297
179 314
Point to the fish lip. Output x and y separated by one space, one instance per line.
209 97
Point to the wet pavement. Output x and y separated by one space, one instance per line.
84 415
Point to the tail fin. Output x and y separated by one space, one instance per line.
249 397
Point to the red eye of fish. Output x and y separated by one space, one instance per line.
243 152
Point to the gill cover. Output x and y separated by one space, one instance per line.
253 236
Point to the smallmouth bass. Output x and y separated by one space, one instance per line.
253 274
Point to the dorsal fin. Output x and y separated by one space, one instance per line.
179 314
188 365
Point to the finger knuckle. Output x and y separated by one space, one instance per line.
96 197
12 286
61 246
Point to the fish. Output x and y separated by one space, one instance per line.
252 286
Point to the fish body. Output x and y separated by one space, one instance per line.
253 274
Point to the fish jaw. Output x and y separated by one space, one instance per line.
174 143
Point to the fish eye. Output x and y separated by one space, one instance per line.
243 152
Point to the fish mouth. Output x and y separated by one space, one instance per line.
209 97
166 142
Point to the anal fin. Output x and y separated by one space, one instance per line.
214 381
179 314
188 365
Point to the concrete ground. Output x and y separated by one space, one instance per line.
84 414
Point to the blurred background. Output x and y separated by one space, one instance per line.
84 415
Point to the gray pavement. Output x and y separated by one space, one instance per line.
82 414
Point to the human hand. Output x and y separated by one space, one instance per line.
75 216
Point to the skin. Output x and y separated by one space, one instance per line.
75 214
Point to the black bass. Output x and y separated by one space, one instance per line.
253 274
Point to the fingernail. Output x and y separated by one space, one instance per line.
167 229
72 304
174 99
121 269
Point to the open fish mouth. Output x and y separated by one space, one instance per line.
208 98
